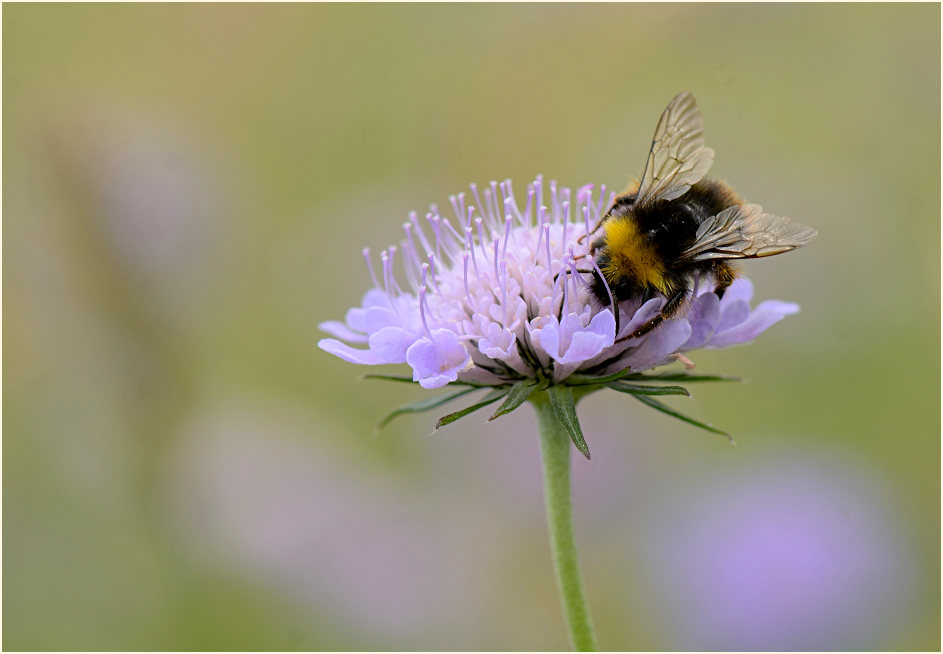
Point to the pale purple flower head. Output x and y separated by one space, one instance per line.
494 294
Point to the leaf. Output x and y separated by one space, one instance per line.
564 408
648 389
683 377
586 380
396 378
516 396
424 405
495 395
409 380
664 408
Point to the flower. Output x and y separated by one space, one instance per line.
497 295
794 551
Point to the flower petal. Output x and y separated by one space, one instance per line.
356 318
340 330
436 361
765 315
498 342
591 340
660 344
731 314
741 289
706 306
390 344
547 336
703 317
347 353
701 331
642 315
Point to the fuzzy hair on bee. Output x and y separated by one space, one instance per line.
676 226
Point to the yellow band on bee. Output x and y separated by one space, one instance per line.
632 255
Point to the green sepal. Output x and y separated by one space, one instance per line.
495 395
423 405
587 380
396 378
647 389
516 396
564 408
410 380
683 377
656 404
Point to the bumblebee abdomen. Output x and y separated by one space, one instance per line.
711 196
672 224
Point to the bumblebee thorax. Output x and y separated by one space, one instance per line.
631 253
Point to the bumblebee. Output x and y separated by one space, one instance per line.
675 226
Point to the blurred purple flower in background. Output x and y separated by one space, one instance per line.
793 555
250 493
160 208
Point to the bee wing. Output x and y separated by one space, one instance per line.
744 231
678 157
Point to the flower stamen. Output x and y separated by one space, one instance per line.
530 205
373 274
422 310
474 190
465 256
434 221
566 219
414 219
547 244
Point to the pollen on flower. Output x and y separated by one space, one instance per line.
493 294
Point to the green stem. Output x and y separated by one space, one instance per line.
555 449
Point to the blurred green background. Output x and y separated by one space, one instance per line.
187 189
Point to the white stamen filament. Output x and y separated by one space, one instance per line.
465 256
414 219
373 275
504 293
566 218
547 245
507 235
494 201
470 244
530 205
478 202
422 310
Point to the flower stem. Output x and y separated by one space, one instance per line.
555 449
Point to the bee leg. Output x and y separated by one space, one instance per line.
582 272
616 310
671 307
724 275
